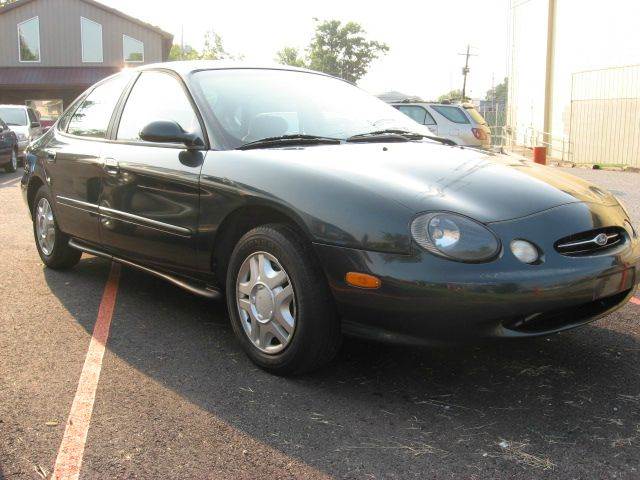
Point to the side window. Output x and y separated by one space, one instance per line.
454 114
156 96
429 119
92 117
417 114
32 115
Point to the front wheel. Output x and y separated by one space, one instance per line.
279 302
52 244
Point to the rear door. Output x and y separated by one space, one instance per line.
150 196
73 159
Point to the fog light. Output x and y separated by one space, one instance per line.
525 251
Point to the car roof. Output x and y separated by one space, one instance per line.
185 67
437 104
13 106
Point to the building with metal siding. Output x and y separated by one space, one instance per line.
574 79
52 50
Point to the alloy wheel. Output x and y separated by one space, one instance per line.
45 226
266 302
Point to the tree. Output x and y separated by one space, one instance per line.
186 53
213 49
452 96
337 49
290 56
499 93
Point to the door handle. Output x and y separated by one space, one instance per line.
111 166
51 155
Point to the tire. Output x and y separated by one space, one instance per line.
12 166
57 255
315 337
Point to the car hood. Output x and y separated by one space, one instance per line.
425 176
19 129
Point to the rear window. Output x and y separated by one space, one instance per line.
475 114
454 114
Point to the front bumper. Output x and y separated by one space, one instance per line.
426 299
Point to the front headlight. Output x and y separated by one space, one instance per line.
455 237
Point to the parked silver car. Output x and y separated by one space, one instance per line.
460 123
24 122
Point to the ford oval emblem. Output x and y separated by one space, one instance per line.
601 239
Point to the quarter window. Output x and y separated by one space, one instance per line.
92 117
156 96
91 34
29 40
455 114
133 49
418 114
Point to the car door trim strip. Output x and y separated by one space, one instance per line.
143 220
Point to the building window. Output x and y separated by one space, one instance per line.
91 34
29 40
133 49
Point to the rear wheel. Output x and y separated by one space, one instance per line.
12 166
279 303
52 244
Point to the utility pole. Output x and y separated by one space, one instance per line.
465 71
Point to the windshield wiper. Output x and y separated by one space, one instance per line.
295 139
394 134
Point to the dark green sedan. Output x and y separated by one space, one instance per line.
317 210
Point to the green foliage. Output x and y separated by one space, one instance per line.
290 56
453 96
213 50
337 49
499 93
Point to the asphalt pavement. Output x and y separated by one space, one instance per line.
176 397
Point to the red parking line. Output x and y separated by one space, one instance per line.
635 300
71 450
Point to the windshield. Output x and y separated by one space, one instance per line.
253 104
13 116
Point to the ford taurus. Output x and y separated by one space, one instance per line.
317 210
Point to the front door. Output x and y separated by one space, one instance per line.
150 196
73 160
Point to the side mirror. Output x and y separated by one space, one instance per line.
164 131
35 124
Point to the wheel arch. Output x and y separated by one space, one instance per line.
35 183
240 221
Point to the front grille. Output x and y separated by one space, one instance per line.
593 242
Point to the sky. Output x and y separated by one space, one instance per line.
424 36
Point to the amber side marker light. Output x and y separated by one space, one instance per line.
362 280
